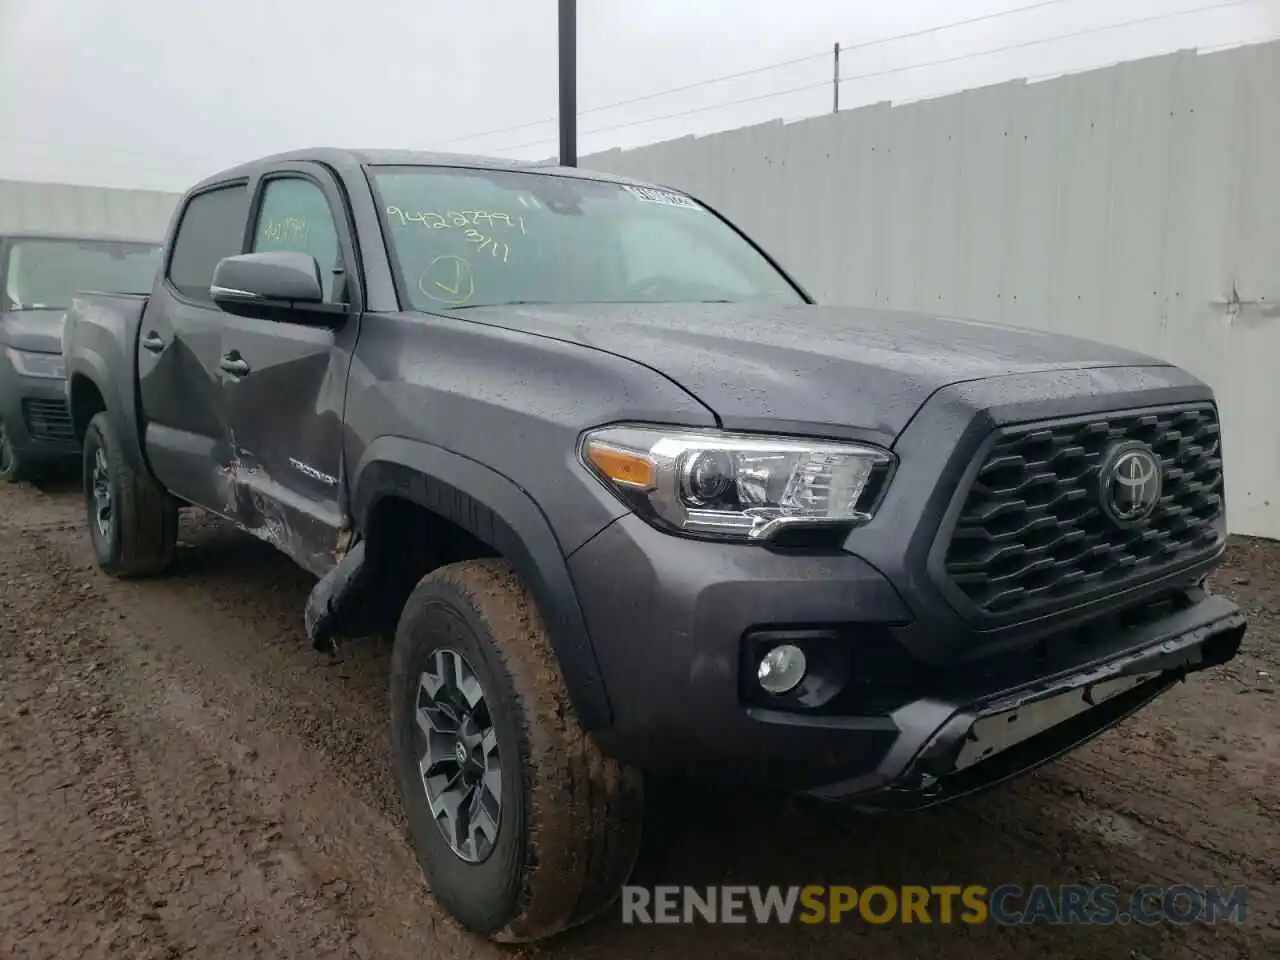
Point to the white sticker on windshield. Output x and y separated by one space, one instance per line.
667 197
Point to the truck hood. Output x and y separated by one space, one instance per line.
840 370
37 331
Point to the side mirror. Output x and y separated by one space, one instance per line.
278 284
255 277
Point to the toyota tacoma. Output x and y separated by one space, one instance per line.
632 503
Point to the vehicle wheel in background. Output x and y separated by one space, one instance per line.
521 825
133 523
12 466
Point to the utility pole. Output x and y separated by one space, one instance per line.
568 83
835 80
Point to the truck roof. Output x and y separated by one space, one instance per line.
350 161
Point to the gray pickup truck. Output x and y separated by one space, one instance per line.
39 271
632 503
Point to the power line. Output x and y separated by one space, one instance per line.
892 70
1201 51
825 84
845 47
764 69
1032 43
647 96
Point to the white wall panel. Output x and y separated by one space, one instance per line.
141 214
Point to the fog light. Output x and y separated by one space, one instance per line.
781 669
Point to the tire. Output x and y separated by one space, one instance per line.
568 831
140 532
13 466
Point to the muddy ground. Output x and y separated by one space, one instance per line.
180 775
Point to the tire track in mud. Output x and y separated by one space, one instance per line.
71 799
257 806
174 838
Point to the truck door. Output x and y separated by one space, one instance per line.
187 436
284 382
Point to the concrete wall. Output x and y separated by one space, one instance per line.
1139 204
139 214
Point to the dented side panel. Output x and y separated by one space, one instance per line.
283 480
284 384
270 511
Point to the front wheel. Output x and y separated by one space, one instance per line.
522 827
133 522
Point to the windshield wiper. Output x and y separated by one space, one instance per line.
510 303
573 303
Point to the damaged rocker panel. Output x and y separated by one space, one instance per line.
258 505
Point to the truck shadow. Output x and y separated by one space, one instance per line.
699 836
61 481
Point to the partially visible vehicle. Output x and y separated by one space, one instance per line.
39 272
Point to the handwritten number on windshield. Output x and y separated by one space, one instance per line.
475 236
450 219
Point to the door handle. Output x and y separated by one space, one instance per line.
234 364
153 341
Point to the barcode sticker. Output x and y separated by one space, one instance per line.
668 197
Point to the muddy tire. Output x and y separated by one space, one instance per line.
567 828
133 523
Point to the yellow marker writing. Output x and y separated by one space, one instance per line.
448 280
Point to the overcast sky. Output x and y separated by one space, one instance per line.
160 93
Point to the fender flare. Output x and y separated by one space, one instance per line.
496 511
120 400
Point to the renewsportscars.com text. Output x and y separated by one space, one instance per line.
1008 904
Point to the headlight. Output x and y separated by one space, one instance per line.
47 365
738 486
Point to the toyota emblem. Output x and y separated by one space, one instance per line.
1130 482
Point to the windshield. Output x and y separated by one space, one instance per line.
467 238
45 274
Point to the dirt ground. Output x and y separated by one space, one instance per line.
181 775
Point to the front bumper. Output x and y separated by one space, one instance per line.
35 414
946 750
672 619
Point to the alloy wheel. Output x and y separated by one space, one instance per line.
100 488
459 761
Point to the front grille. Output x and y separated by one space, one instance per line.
1032 534
47 420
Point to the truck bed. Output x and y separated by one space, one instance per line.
99 343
